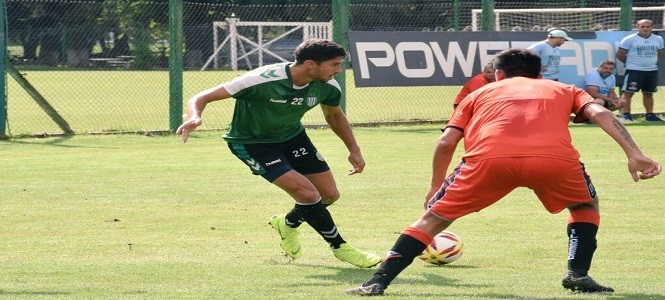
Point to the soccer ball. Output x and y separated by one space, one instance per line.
446 247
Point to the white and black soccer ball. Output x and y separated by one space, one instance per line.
446 247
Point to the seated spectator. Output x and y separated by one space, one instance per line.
600 85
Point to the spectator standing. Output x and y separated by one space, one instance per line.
639 52
548 50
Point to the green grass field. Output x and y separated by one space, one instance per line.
138 217
110 101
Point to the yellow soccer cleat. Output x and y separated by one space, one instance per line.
290 236
358 258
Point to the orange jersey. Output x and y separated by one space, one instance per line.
473 84
502 119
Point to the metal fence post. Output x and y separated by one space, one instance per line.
340 29
3 70
626 15
63 45
488 16
456 15
175 64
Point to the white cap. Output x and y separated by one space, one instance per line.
559 33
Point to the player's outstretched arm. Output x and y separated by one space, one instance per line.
195 107
188 126
639 166
339 124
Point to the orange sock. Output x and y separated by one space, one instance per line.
418 234
584 216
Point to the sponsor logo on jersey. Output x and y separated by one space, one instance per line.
278 100
311 100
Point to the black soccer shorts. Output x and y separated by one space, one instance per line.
272 160
634 81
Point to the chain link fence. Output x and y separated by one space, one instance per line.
103 65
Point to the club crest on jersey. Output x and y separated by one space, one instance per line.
311 100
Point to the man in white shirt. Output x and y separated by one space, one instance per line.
548 50
600 85
640 51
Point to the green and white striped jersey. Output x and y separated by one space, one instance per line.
269 108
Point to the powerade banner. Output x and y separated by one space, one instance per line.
450 58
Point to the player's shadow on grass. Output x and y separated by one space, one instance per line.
355 276
51 142
438 280
351 277
54 142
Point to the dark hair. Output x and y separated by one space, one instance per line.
318 50
518 62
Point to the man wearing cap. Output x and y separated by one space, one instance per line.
548 50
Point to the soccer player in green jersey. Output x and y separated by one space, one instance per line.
267 134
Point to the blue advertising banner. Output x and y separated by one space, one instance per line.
451 58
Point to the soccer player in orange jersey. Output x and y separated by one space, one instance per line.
516 135
475 83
